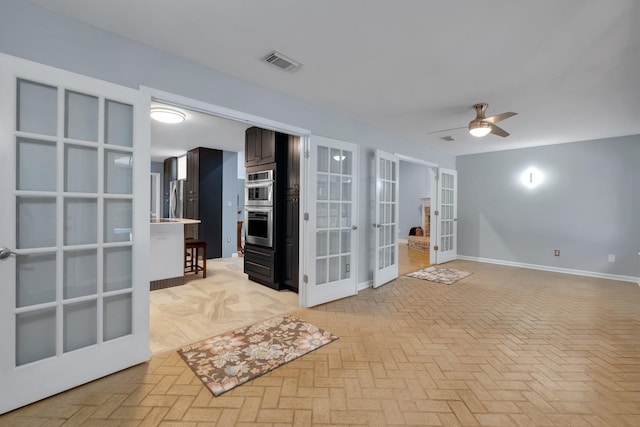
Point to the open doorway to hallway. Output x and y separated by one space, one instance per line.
414 218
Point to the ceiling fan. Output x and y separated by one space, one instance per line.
481 125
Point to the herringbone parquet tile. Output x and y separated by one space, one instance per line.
503 347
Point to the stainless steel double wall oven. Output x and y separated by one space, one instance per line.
259 202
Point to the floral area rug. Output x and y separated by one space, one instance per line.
229 360
448 276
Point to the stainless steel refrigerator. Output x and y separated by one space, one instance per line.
176 199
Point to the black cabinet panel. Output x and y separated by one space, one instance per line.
204 196
291 244
259 264
260 147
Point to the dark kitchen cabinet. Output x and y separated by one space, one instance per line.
260 265
203 198
170 173
260 147
291 211
192 185
293 165
191 211
291 244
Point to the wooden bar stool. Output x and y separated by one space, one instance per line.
192 251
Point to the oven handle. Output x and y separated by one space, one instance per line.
259 184
258 208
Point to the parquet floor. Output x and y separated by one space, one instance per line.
503 347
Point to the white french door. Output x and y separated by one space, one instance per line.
386 219
330 215
447 217
74 235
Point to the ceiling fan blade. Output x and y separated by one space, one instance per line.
499 117
497 130
445 130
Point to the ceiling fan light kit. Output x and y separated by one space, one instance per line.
482 125
479 128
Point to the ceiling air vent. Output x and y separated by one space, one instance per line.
281 61
448 138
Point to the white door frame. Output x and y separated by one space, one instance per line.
239 116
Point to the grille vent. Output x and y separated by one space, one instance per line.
281 61
448 138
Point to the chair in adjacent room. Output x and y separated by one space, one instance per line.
195 248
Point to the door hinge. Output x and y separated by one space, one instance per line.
305 278
306 216
435 248
436 213
307 154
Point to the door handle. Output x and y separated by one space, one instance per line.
354 227
376 225
6 253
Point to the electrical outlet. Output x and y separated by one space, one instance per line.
612 258
556 252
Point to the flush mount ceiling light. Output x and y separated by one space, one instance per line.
167 115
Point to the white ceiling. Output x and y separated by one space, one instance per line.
198 130
570 68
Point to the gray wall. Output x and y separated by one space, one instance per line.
587 206
415 183
37 34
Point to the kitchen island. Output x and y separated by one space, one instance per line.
167 251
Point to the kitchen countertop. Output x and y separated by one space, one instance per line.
165 221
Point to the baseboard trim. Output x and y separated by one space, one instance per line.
553 269
365 285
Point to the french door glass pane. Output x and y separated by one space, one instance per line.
323 159
117 268
80 273
35 279
81 120
36 217
347 162
334 268
37 108
335 161
80 221
36 165
117 220
321 243
321 271
35 335
81 169
118 124
80 325
118 169
117 316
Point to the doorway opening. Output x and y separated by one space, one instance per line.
226 299
416 226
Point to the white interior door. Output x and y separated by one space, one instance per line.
386 219
447 216
74 294
331 232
